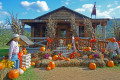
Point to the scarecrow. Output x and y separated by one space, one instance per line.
14 50
113 48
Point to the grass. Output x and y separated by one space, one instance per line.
29 74
4 50
117 67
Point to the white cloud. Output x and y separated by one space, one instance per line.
38 5
87 6
80 10
109 5
66 3
109 13
84 8
0 5
1 22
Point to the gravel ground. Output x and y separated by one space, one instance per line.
77 73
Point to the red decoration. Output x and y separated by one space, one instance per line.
118 43
77 38
113 39
49 40
72 55
92 40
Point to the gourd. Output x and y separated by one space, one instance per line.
52 65
110 63
13 74
92 66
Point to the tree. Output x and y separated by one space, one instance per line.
14 23
5 35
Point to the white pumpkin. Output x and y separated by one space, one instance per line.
20 71
50 58
85 57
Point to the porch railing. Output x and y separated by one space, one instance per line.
83 42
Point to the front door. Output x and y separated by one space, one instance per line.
63 31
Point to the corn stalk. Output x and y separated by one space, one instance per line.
116 28
89 29
51 28
74 27
14 23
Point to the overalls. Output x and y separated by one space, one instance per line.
16 60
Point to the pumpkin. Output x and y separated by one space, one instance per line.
113 39
88 49
48 68
50 58
32 63
33 57
48 49
84 49
13 74
1 66
67 59
92 66
52 65
85 57
42 48
55 57
103 50
21 71
23 68
78 54
39 61
90 56
110 63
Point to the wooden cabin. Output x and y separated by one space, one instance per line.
62 17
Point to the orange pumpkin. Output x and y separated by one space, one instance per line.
78 54
90 56
103 50
67 59
39 61
42 48
1 66
48 68
33 57
84 49
48 49
13 74
32 63
88 49
110 63
23 68
52 65
55 57
92 66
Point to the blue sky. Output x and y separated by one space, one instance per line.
30 9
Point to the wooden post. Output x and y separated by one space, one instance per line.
104 30
23 27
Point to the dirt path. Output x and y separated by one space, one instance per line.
77 73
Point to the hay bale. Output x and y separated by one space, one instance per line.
62 63
4 73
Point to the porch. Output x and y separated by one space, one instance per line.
82 42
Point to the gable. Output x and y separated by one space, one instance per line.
62 13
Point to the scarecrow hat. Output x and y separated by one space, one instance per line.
15 35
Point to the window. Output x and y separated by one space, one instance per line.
63 33
81 31
37 31
43 31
